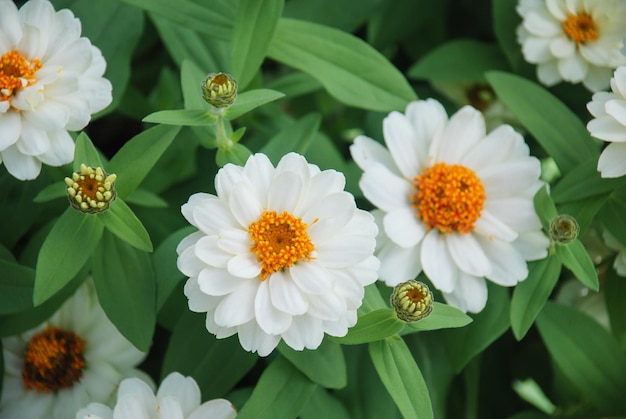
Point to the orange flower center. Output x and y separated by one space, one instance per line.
279 241
16 72
448 197
53 360
580 28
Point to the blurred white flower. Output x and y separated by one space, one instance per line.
453 201
178 397
609 124
75 357
573 40
281 253
620 259
50 83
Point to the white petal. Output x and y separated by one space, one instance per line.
403 227
403 144
469 295
437 262
305 332
607 128
183 389
464 130
428 118
284 193
215 409
169 408
345 250
532 245
491 227
218 282
208 251
252 338
131 407
271 320
328 306
384 189
243 204
10 127
286 295
508 265
244 265
398 264
612 162
311 277
234 241
19 165
548 73
468 255
617 109
61 149
573 68
365 151
237 308
329 215
210 216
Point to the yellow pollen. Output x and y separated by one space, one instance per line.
448 197
279 241
580 28
53 360
16 72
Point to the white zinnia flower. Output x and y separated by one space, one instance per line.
178 397
454 202
75 357
573 40
50 82
609 124
281 253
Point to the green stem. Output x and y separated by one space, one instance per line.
223 140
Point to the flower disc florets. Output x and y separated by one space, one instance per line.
219 89
91 190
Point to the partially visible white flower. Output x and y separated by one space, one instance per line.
75 357
453 201
573 40
281 253
178 397
609 124
620 259
50 83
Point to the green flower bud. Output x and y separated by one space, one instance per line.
564 229
412 301
91 190
219 89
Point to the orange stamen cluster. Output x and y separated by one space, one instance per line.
448 197
53 360
16 72
279 241
580 28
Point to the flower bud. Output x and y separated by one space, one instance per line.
412 301
219 89
564 229
91 190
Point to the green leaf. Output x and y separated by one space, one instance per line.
55 191
351 70
281 392
321 404
250 100
584 211
16 287
191 77
146 198
402 377
506 17
125 284
611 215
530 295
295 84
576 258
254 28
237 154
217 365
459 60
465 343
586 354
64 252
135 159
295 137
373 326
614 294
325 365
120 220
559 131
443 316
545 208
583 181
215 19
164 260
86 153
182 117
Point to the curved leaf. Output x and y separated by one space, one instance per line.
373 326
325 365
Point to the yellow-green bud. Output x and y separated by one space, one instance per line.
91 190
219 89
564 229
412 301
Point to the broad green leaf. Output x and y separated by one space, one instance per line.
325 365
546 210
462 60
611 215
443 316
322 404
586 354
217 365
373 326
281 392
559 131
584 211
295 84
238 154
55 191
529 391
506 17
295 137
64 252
351 70
164 261
120 220
346 15
5 254
402 377
182 117
576 258
16 287
85 153
125 283
465 343
372 300
530 295
215 19
583 181
135 159
255 23
191 76
250 100
614 294
145 198
407 17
